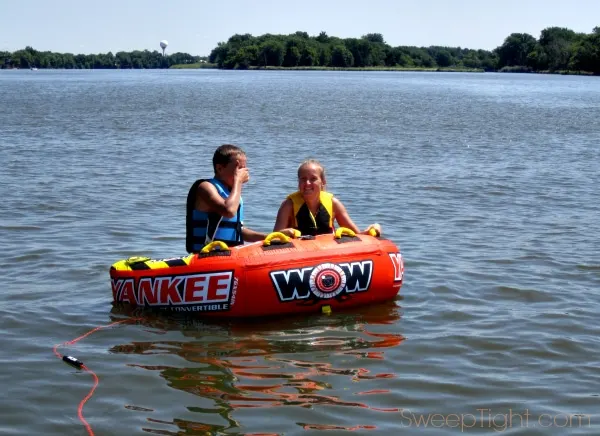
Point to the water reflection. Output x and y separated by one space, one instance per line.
305 362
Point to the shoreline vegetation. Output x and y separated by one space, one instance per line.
558 50
405 69
319 68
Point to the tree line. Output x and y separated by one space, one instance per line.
31 58
301 50
557 49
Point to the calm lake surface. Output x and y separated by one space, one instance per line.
489 184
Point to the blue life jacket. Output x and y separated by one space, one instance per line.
203 228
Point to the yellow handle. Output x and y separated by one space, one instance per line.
373 232
343 231
215 245
275 235
125 264
136 259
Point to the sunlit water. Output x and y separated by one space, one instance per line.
487 182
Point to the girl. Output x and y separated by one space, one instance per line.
311 209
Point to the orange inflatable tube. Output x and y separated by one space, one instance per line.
277 276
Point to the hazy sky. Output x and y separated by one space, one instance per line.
196 26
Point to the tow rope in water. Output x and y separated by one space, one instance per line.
73 361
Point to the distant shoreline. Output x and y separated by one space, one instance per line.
558 50
273 68
401 69
205 65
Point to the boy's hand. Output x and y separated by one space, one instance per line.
242 175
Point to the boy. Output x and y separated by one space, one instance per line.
215 209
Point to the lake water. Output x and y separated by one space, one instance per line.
487 182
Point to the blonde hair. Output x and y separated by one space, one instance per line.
316 163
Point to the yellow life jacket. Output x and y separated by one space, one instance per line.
310 224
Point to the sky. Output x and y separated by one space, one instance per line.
197 26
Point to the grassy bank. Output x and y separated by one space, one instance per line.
568 73
461 70
271 68
523 69
193 66
512 69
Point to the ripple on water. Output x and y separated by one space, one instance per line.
524 295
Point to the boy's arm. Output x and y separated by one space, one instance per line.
208 199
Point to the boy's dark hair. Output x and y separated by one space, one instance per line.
225 153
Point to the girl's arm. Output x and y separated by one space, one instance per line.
344 220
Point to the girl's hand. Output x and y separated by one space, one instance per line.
373 228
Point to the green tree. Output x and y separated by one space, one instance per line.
325 56
586 53
379 54
557 44
219 54
292 57
471 60
309 56
4 59
22 58
489 60
322 38
240 40
515 49
443 58
374 37
69 61
537 59
361 51
245 57
341 57
420 56
271 53
122 58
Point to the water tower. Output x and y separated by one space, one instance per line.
163 45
